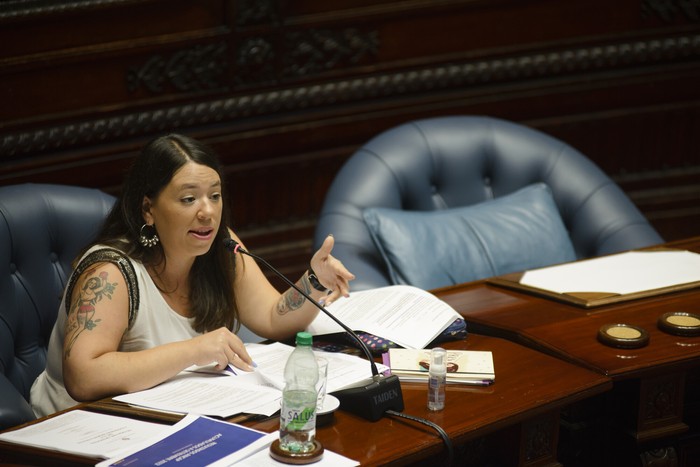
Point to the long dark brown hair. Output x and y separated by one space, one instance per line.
212 300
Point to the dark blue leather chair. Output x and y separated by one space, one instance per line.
455 161
42 229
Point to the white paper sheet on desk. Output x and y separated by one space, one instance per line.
343 370
257 392
214 395
407 315
623 273
85 433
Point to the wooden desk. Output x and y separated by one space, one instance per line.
655 387
512 422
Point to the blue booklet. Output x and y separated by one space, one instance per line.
195 441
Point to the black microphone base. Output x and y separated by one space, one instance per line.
373 399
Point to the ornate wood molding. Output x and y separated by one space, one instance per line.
301 54
319 50
20 8
540 438
252 12
662 401
661 407
669 10
661 457
193 69
599 58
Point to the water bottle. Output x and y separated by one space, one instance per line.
298 414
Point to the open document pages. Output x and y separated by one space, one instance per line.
406 315
234 391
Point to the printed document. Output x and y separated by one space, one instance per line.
214 395
343 370
85 433
233 391
406 315
195 441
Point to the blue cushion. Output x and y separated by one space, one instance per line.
430 249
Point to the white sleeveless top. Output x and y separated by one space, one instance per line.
154 323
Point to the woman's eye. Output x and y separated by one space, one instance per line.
188 200
216 196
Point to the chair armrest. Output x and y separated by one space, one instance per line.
14 409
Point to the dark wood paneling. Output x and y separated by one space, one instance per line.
287 90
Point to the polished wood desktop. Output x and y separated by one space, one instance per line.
515 421
654 403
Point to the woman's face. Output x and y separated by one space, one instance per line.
187 213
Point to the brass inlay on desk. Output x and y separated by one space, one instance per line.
622 332
680 323
623 336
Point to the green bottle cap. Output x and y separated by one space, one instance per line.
304 338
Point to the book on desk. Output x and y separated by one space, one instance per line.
473 367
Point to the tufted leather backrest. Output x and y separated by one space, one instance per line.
454 161
42 229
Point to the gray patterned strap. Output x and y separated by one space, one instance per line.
116 257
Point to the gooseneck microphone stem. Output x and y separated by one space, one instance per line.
235 247
370 400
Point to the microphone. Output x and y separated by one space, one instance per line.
369 400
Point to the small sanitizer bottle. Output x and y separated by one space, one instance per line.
437 379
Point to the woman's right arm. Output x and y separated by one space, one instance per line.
93 367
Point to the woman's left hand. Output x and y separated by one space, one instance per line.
330 272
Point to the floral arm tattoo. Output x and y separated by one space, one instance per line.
292 300
82 311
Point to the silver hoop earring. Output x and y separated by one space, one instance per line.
146 241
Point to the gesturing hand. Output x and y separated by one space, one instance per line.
223 347
330 271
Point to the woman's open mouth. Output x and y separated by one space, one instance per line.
203 234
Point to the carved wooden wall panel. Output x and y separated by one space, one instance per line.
286 90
